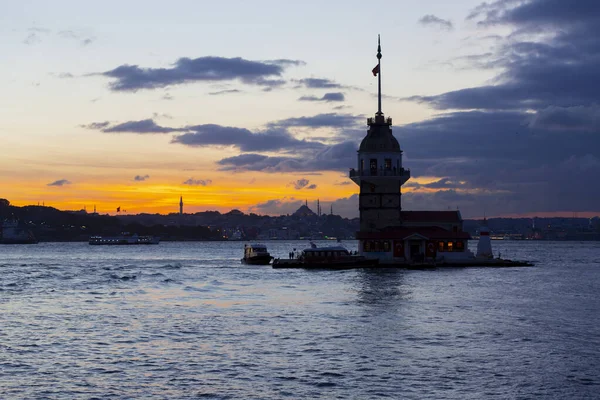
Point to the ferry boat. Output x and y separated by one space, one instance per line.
11 233
333 257
256 254
123 239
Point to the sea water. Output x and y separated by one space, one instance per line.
188 321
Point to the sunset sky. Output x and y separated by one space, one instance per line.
261 105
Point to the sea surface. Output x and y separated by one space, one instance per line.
189 321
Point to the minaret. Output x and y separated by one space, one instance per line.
380 174
180 205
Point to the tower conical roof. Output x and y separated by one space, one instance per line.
380 139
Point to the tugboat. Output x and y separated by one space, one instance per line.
124 239
11 233
256 254
334 257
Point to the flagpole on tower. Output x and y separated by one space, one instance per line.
379 75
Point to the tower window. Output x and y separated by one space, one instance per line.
373 166
362 164
388 164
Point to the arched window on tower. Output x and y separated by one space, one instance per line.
373 166
387 164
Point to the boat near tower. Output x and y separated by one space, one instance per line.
396 237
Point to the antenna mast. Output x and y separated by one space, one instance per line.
379 75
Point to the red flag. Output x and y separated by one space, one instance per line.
375 70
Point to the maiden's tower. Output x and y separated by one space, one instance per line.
386 231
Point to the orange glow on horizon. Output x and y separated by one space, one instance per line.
232 191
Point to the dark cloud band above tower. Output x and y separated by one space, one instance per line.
209 69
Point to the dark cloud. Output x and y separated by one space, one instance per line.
269 83
346 207
287 63
187 70
276 137
312 186
300 183
259 162
60 182
338 157
227 91
502 154
529 141
530 13
318 83
578 118
143 126
344 183
96 125
444 183
197 182
432 20
277 206
141 178
330 120
268 140
327 97
551 58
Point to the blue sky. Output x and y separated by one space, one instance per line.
260 106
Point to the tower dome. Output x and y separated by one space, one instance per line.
379 137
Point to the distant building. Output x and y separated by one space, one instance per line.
304 211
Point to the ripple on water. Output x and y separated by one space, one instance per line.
167 323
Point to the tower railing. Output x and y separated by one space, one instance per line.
373 120
381 172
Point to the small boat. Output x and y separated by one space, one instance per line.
334 257
256 254
124 239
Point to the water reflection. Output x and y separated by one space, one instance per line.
384 287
